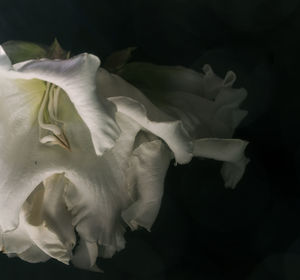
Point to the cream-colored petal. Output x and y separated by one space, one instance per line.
16 241
5 63
47 220
25 162
102 186
131 102
34 255
231 151
173 133
54 210
207 105
76 76
86 255
148 166
96 203
37 230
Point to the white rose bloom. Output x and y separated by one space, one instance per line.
90 155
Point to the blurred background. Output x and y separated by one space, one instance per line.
203 231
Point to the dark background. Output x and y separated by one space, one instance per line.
203 231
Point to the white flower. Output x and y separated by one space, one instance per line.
92 157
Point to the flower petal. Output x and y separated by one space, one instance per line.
148 166
44 223
95 203
231 151
5 63
24 159
76 76
207 105
47 220
34 255
86 255
19 243
131 102
54 211
16 241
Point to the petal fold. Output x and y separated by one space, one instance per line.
207 105
148 166
131 102
76 76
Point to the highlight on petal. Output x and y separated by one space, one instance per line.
5 63
76 76
172 132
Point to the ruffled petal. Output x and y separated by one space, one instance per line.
48 222
207 105
76 76
25 162
95 203
86 255
23 158
148 166
23 166
19 243
45 225
131 102
54 211
16 241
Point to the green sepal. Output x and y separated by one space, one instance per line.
117 60
19 51
55 51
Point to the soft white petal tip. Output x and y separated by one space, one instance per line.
229 79
207 69
233 172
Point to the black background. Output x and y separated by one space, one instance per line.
203 231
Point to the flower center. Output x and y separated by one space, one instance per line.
50 128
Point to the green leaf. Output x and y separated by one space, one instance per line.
19 51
